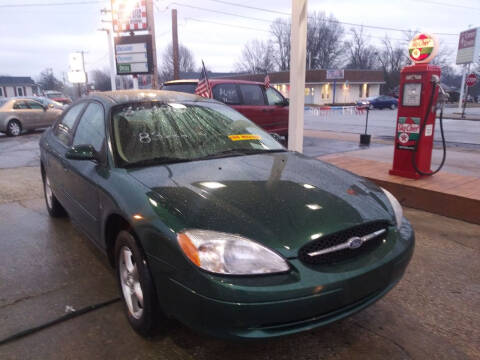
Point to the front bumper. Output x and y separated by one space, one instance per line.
318 296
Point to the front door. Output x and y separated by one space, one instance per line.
83 178
278 114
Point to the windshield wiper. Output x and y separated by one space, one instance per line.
239 152
161 160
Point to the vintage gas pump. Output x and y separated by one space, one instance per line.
419 88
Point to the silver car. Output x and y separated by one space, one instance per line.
25 114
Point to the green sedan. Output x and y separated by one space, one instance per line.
209 220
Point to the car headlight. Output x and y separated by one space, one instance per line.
231 254
397 208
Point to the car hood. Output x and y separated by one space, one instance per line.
282 200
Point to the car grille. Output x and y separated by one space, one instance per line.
340 238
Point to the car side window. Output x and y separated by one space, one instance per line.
252 94
91 127
34 105
226 93
20 104
273 97
63 130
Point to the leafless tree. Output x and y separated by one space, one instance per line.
324 41
280 30
48 81
101 80
360 54
185 59
392 58
257 57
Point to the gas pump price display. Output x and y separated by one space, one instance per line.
411 94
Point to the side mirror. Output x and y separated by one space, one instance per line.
50 106
286 102
81 152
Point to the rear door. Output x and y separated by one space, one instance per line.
20 111
37 114
277 112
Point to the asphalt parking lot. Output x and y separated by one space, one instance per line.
47 267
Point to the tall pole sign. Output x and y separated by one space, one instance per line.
176 67
467 53
134 53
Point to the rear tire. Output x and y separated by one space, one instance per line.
136 285
54 208
14 128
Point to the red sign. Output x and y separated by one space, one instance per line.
422 48
471 80
129 15
467 39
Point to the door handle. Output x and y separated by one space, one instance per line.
267 110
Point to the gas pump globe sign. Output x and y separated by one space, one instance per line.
422 48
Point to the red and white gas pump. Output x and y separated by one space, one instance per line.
419 87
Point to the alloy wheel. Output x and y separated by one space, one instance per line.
14 128
130 282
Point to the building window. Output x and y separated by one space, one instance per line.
19 91
1 92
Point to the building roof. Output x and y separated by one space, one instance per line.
16 80
318 76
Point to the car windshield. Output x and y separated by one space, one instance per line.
150 133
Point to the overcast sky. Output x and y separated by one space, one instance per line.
35 38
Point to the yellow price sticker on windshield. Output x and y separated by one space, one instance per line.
244 137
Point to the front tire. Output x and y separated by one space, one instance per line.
14 128
136 285
393 107
54 208
370 107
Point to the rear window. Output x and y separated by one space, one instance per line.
252 94
186 88
226 93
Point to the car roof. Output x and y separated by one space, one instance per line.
128 96
212 81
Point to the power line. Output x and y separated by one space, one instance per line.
52 4
326 20
252 7
230 25
449 5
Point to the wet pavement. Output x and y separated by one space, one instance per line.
47 267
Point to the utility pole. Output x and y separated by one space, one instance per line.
111 54
298 47
176 67
151 27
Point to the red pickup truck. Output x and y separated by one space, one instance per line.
266 107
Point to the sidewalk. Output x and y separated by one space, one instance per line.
453 192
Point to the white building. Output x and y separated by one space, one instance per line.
17 86
320 89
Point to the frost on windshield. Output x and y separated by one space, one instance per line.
178 130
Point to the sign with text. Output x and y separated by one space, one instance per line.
133 55
468 47
129 15
334 74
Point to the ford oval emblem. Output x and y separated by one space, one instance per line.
355 242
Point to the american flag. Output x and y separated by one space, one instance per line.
266 82
203 87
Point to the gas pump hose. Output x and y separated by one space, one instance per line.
422 129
